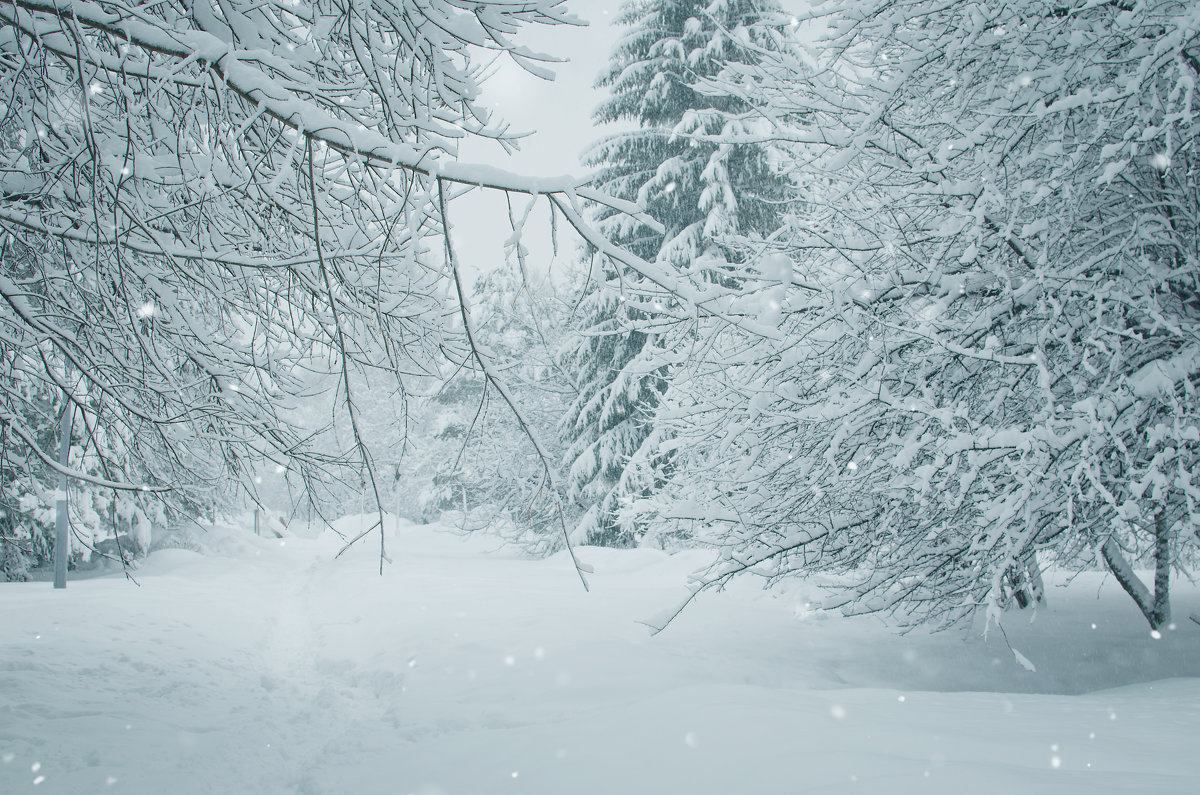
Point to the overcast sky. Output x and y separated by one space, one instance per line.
557 114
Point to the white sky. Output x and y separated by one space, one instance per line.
558 116
558 113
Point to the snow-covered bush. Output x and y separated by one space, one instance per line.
986 352
470 456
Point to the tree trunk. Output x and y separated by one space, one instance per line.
62 535
1162 570
1155 607
1036 583
1025 579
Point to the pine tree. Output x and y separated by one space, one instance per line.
702 193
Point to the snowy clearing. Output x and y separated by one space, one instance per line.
269 667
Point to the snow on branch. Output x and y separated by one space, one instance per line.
209 210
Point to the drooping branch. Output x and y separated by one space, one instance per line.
343 357
249 74
493 378
18 430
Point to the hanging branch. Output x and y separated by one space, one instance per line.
493 379
344 356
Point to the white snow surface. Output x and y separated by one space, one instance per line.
267 666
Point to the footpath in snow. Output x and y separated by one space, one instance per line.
269 667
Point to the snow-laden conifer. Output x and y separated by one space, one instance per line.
703 193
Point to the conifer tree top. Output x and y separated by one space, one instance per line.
672 164
670 45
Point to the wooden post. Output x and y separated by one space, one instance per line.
62 536
256 521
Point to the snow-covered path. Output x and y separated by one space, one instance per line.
464 671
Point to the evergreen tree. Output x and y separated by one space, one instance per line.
702 192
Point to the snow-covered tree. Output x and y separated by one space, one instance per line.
702 192
214 198
117 524
987 357
473 464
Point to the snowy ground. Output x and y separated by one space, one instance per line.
271 668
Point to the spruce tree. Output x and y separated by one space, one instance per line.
701 191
